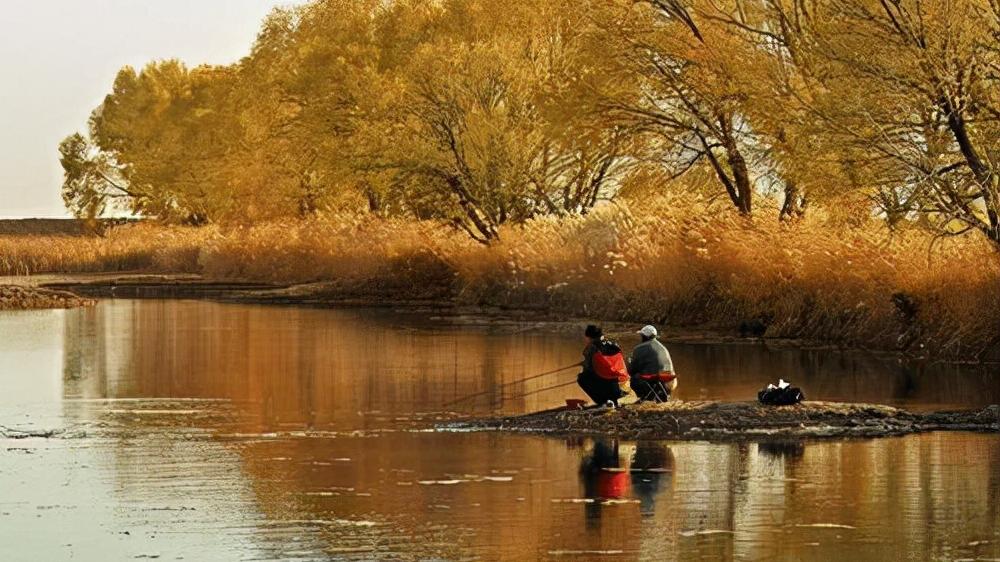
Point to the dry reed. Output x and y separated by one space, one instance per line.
682 261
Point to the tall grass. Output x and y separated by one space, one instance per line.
127 248
681 261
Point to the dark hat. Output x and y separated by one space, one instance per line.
593 332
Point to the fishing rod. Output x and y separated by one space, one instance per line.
506 384
540 390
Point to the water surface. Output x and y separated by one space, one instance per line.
202 431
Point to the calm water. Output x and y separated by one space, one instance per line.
201 431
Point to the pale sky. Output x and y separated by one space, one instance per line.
58 59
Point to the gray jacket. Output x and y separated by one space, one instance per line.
650 358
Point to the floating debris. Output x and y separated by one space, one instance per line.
12 433
704 532
581 552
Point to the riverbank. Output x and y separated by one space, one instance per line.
701 420
338 294
433 304
681 264
17 297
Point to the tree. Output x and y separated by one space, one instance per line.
301 93
93 181
477 120
678 88
913 92
172 132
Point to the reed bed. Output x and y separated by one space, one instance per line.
679 261
140 247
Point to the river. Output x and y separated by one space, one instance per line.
193 430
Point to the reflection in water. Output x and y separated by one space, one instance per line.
652 463
608 479
319 368
781 450
210 431
603 478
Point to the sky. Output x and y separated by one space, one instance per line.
58 59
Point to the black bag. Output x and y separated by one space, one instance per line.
773 396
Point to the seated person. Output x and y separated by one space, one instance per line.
600 389
651 369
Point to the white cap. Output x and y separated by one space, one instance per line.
648 331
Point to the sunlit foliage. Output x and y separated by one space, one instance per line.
478 114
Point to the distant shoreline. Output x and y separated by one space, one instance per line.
140 285
55 226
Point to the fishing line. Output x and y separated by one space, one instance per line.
506 384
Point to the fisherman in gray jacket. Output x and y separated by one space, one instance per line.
651 369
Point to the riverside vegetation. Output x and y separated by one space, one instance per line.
683 261
824 170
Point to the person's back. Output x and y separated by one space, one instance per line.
596 385
651 368
650 358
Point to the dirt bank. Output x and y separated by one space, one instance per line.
740 420
430 302
16 297
332 293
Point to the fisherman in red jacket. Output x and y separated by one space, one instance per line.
604 369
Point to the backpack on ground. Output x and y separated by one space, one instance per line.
783 394
609 362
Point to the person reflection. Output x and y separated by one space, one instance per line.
652 463
781 450
602 477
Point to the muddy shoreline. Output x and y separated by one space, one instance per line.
721 421
18 297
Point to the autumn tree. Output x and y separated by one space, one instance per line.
663 81
93 182
479 114
302 93
171 132
773 41
913 92
474 121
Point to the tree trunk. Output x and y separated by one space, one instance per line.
794 205
485 231
740 188
984 174
741 180
374 200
